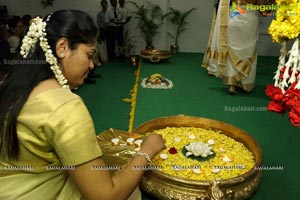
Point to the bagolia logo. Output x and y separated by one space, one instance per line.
236 10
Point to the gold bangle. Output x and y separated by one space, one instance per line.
145 155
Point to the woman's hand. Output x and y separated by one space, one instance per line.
98 184
153 144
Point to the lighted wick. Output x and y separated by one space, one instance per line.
130 141
115 141
138 143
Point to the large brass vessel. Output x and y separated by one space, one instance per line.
164 186
155 56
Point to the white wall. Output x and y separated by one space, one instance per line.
193 40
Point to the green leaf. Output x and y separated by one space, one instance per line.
149 20
178 19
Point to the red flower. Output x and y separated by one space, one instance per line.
274 93
287 101
173 150
269 90
294 116
277 96
280 102
292 98
275 106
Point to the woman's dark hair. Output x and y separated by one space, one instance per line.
79 28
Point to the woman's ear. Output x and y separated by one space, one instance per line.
62 47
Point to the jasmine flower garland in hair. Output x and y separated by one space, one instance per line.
37 31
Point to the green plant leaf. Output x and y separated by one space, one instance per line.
149 20
178 19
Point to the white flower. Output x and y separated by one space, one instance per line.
197 171
226 159
163 156
37 32
192 137
215 170
211 142
198 149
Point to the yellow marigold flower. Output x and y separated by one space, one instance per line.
178 165
287 22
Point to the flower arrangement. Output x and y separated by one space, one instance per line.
156 81
37 32
133 94
232 158
285 92
285 102
198 149
287 23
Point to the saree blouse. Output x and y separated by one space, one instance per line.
56 133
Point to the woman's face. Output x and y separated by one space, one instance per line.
77 63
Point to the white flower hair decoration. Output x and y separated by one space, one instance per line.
37 32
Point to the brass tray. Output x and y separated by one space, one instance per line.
116 156
164 186
155 55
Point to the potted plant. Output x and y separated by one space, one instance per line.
150 18
178 20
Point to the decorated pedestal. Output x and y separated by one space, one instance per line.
165 186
